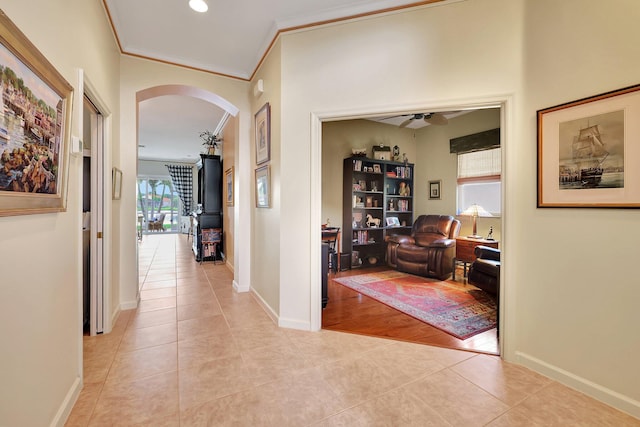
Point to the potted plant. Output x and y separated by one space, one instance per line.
210 141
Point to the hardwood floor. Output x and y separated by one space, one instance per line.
350 311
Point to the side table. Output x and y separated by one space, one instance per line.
465 247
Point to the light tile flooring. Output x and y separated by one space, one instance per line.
195 353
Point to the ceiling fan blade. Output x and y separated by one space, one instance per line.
406 122
436 119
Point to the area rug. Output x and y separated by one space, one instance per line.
461 311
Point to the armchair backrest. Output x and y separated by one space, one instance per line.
428 228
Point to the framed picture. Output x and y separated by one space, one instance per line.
34 130
376 168
393 221
263 187
434 190
588 154
263 134
116 178
228 180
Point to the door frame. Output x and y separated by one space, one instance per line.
100 135
506 105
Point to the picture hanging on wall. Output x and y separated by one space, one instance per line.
263 134
587 152
434 190
34 130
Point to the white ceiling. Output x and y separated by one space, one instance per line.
230 39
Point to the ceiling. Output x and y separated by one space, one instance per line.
230 39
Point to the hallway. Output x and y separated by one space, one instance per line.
195 353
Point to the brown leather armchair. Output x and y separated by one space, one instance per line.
429 250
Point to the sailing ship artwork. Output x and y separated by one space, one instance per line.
592 152
30 129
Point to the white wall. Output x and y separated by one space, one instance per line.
576 299
568 302
40 283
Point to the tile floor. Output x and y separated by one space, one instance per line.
195 353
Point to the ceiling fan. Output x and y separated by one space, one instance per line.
431 118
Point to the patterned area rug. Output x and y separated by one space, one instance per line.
459 311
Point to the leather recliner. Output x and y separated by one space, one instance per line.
484 272
429 250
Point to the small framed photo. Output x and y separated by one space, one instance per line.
263 134
228 179
434 190
393 221
376 168
263 187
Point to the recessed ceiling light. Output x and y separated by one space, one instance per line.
198 5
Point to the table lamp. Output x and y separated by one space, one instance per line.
475 211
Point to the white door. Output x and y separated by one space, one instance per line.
95 122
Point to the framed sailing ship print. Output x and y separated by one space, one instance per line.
588 152
34 127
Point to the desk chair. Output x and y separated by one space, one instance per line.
330 236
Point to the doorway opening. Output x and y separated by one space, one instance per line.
434 163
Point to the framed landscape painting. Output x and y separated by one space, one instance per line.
34 127
588 155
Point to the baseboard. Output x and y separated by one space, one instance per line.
598 392
67 404
238 288
294 324
129 305
266 307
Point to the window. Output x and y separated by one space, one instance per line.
155 196
479 180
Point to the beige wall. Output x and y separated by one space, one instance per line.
338 138
40 283
230 136
266 226
437 163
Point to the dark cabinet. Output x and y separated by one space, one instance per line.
210 196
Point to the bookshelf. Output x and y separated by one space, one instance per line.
377 201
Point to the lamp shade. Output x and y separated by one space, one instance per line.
475 211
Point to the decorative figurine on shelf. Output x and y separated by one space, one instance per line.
372 222
391 205
405 159
490 235
404 190
396 153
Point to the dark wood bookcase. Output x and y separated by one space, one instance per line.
377 201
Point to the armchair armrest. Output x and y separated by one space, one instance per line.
486 252
443 243
400 239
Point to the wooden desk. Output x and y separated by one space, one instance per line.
465 247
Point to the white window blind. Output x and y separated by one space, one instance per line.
480 163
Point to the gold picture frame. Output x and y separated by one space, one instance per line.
228 180
263 187
587 155
34 136
262 125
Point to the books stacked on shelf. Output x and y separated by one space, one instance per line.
362 237
403 172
